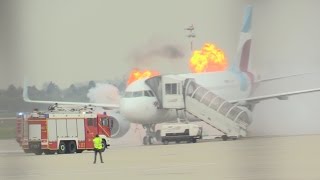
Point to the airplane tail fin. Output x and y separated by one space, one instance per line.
241 61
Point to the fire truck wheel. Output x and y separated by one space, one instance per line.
38 152
27 151
62 148
48 152
104 145
72 147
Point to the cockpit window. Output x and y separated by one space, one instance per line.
148 93
137 94
130 94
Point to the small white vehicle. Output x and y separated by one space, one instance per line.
180 132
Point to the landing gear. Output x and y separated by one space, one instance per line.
151 135
147 140
224 137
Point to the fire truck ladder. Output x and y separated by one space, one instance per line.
70 108
230 119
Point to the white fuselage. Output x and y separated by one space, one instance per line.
139 106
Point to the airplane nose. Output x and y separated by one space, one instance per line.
135 110
128 109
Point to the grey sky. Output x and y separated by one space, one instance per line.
80 40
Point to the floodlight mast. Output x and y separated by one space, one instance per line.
191 35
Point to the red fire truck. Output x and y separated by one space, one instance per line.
65 131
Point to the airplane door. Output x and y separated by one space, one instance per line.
172 92
91 131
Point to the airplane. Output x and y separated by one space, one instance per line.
141 105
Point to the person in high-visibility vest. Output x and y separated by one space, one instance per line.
97 142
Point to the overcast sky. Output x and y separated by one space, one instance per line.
68 41
80 40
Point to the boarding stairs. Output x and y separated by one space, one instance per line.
184 94
230 119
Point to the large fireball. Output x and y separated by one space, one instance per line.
208 59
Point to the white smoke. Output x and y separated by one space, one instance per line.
109 94
104 93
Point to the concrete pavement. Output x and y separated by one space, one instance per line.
293 157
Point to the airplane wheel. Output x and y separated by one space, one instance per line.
224 137
158 135
165 142
145 140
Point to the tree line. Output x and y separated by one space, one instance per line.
11 99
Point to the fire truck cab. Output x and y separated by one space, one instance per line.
66 131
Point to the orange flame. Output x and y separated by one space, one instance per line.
137 74
208 59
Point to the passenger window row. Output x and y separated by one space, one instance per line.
130 94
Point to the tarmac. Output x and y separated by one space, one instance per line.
292 157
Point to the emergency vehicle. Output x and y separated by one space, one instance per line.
65 130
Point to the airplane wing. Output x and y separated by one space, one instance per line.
105 106
281 77
280 96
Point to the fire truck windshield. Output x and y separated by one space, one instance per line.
104 122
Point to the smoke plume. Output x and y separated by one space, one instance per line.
152 51
104 93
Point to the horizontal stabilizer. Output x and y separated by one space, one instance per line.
280 96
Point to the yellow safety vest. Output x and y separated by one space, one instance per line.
97 142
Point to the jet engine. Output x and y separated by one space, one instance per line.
119 126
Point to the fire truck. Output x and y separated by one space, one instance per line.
64 130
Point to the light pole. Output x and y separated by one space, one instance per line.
191 35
